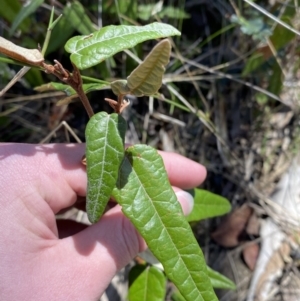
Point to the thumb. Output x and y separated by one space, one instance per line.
185 199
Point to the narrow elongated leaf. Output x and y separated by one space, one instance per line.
147 283
104 153
52 86
146 79
78 18
9 10
220 281
63 30
217 280
176 296
120 87
126 8
207 204
148 200
26 10
88 51
28 56
146 11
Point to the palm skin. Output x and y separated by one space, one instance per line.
37 182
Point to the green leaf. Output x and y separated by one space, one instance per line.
220 281
281 35
119 87
78 18
62 31
105 136
26 10
146 79
207 204
88 51
74 18
146 11
34 77
147 199
217 280
5 72
176 296
87 88
9 10
173 13
126 8
124 11
55 87
253 62
52 86
147 283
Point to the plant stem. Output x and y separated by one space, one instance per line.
75 81
95 80
49 31
11 61
85 101
120 103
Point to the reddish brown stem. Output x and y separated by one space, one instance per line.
74 80
79 89
120 103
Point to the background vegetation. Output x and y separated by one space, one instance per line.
229 100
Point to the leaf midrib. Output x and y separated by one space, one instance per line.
179 255
145 77
101 177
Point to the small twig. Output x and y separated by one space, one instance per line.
119 105
112 103
51 25
25 69
17 77
67 127
80 92
72 79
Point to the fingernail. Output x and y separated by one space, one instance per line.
189 200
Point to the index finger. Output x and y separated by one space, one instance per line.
183 172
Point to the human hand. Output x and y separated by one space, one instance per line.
37 182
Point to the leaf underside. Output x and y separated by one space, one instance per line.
28 56
88 51
148 200
146 79
119 87
53 86
105 136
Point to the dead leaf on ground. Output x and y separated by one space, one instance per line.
253 225
230 231
250 255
